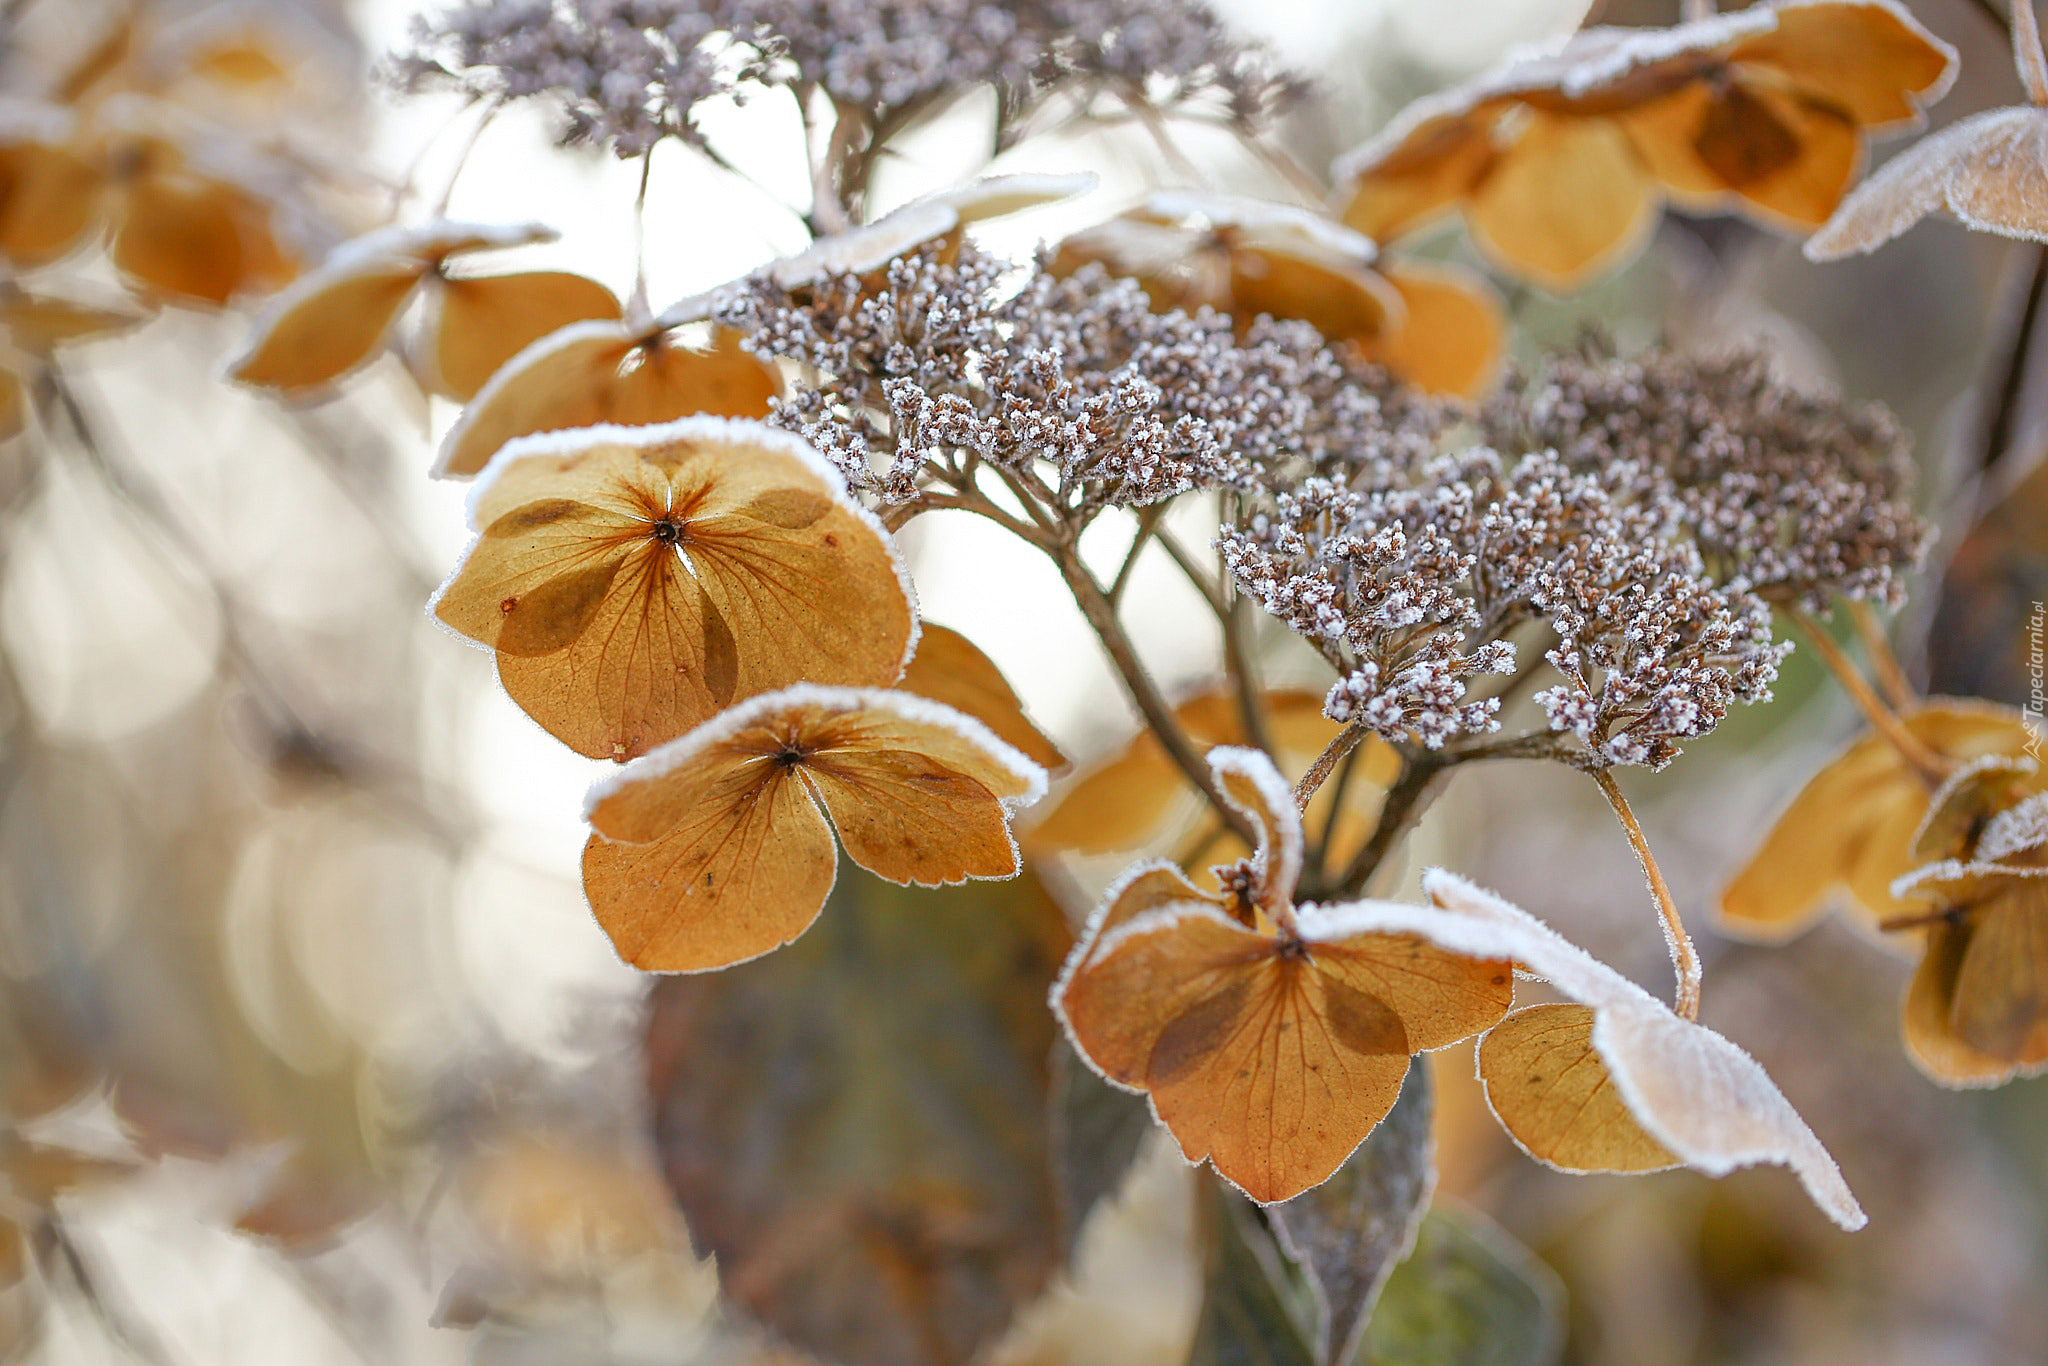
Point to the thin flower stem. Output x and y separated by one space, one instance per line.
1283 163
1884 661
1404 804
1319 852
1932 768
462 157
1413 789
1144 693
1685 961
1148 520
2001 414
828 211
1162 138
1244 679
2027 54
1334 753
637 306
1196 575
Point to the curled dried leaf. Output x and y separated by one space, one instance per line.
1988 172
1650 1083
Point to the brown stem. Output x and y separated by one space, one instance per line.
1685 961
1148 519
1891 675
1932 768
1244 679
2002 414
1319 851
1283 163
1144 693
1402 806
1334 753
828 208
1196 575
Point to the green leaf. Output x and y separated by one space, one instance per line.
856 1124
1257 1310
1348 1234
1469 1295
1098 1130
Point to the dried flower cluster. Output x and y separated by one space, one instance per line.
949 357
1800 496
630 72
1413 590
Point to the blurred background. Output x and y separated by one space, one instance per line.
309 1047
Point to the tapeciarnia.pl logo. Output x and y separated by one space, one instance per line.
2037 677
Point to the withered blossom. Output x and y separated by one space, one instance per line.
1798 494
954 355
629 73
1413 583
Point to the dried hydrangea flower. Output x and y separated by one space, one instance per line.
953 355
1799 495
1411 585
630 73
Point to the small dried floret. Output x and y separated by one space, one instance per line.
953 356
631 72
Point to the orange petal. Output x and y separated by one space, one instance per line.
1342 301
949 668
41 323
49 199
1740 138
326 324
745 869
1554 1094
1120 805
478 324
596 372
1873 61
1566 201
1256 1061
196 240
1929 1018
13 403
1853 823
643 578
1452 335
919 793
1665 133
2001 984
1997 181
1426 175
